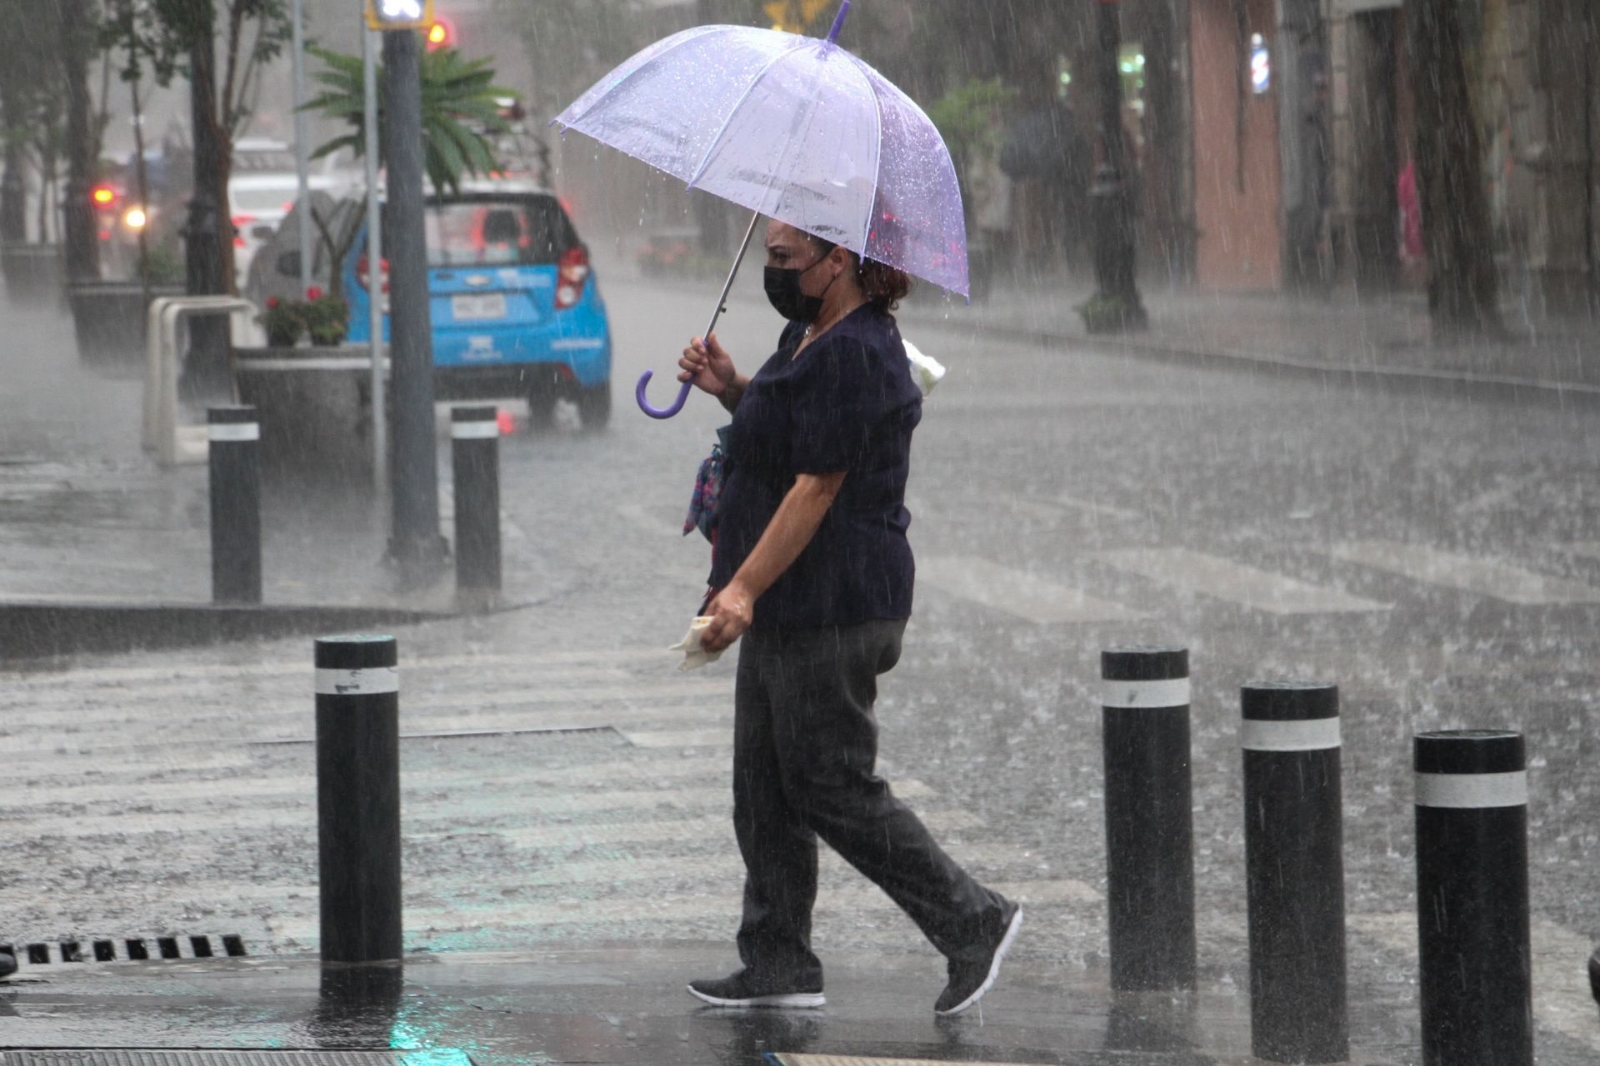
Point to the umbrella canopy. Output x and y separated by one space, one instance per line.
795 128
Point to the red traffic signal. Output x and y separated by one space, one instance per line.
441 34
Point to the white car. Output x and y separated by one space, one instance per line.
258 202
263 188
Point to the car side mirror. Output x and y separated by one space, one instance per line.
289 263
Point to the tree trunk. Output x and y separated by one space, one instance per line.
1455 213
13 186
77 44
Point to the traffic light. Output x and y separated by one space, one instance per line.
796 16
104 196
441 34
399 14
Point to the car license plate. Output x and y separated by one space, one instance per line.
478 306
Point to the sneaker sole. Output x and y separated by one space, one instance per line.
782 1001
994 968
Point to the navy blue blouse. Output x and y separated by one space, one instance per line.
845 403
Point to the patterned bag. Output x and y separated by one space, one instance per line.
708 490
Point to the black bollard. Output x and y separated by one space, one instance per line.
235 456
475 454
1149 820
1294 860
358 798
1472 898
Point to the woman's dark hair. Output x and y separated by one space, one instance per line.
883 285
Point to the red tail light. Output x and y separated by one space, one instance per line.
383 272
573 274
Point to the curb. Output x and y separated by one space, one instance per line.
1488 383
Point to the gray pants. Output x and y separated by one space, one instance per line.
804 751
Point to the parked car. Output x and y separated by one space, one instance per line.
515 306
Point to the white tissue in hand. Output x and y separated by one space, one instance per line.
926 371
694 656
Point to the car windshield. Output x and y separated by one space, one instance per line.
496 232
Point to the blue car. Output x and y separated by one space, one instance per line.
515 305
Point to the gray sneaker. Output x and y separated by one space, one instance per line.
741 990
970 980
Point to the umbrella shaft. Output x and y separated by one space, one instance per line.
722 301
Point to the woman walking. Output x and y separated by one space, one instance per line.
812 569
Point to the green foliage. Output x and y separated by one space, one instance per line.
155 37
324 317
460 113
967 116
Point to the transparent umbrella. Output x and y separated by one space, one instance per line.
791 127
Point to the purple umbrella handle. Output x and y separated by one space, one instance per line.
838 22
660 412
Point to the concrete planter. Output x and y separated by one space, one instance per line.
33 272
108 318
315 408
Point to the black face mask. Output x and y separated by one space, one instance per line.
783 290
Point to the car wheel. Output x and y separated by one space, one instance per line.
594 407
541 409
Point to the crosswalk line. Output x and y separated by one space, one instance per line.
250 692
79 674
1485 577
1232 582
421 811
1561 999
411 781
690 738
292 714
852 899
1015 592
576 836
728 866
724 868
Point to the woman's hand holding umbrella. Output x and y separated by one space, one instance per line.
708 365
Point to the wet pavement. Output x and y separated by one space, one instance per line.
569 862
625 1004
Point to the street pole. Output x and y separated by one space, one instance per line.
375 293
206 367
301 161
415 545
1116 305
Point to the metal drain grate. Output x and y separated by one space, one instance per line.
136 1057
126 949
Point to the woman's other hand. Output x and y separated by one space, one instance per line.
730 613
706 364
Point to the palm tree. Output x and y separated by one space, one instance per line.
461 113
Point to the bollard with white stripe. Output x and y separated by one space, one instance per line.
235 471
1472 898
1149 820
358 798
1294 860
475 456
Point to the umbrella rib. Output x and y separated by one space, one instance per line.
694 33
716 142
877 164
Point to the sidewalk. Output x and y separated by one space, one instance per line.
1387 337
1376 338
624 1004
